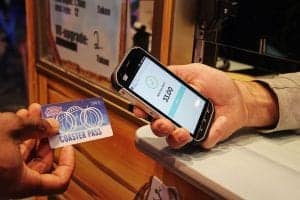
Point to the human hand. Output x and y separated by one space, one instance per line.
26 160
231 100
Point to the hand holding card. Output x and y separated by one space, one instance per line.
80 121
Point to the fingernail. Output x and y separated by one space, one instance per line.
54 123
162 127
41 128
184 138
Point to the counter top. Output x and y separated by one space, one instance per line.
246 166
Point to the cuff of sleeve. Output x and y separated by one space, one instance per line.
287 93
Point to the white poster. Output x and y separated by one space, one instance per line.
87 33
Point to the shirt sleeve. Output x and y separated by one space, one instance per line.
287 89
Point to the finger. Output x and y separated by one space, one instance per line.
42 165
34 111
44 158
218 130
162 127
23 113
179 138
60 177
189 71
184 70
191 74
31 128
199 87
34 183
139 112
54 124
26 148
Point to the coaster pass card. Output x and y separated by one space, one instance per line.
80 121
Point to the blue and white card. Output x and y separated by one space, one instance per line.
80 121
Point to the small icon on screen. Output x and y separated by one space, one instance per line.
151 82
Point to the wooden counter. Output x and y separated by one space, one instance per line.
247 166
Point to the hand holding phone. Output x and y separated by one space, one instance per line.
151 86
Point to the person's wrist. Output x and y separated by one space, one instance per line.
260 104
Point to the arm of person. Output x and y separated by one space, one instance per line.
261 104
286 88
237 104
26 160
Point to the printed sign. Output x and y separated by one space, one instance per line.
87 33
80 121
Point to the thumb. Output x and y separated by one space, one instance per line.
220 129
36 129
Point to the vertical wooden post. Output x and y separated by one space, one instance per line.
32 83
162 24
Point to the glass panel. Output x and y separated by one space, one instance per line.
140 24
89 37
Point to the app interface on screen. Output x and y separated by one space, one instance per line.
168 95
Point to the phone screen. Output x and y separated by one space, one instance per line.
167 94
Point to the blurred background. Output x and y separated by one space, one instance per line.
12 55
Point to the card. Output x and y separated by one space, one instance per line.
80 121
158 190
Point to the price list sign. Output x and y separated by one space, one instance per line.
87 33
